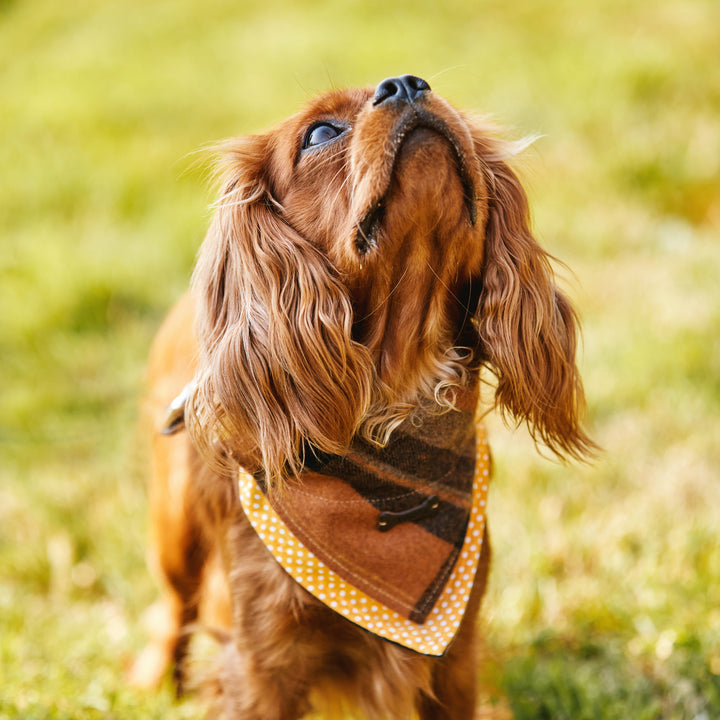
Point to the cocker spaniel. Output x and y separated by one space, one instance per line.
319 486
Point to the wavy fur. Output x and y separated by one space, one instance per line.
528 329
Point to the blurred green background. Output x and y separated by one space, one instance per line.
605 595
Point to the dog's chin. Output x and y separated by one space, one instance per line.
428 191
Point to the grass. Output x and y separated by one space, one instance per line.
605 589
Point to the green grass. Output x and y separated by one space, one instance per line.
606 581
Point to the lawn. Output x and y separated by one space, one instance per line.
605 592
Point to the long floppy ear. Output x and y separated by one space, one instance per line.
279 372
528 329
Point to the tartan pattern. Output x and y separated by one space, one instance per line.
333 509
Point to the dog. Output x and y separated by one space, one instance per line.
320 470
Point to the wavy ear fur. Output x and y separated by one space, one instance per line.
279 371
528 328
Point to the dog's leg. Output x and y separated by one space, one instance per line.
178 554
454 683
267 669
455 676
160 621
254 691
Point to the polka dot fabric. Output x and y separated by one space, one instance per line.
441 625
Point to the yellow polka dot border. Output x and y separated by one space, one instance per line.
441 625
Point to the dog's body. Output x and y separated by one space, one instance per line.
368 257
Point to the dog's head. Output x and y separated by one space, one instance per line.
367 256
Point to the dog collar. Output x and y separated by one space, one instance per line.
389 538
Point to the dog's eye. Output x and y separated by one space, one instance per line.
320 133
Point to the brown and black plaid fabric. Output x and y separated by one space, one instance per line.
391 521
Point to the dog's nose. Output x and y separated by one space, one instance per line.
406 88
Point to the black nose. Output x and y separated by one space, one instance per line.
406 88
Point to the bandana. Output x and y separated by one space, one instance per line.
388 537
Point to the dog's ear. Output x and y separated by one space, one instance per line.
279 371
528 329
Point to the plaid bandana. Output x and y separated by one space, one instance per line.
388 537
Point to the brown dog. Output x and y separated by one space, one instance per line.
367 258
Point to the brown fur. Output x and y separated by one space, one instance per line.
315 324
